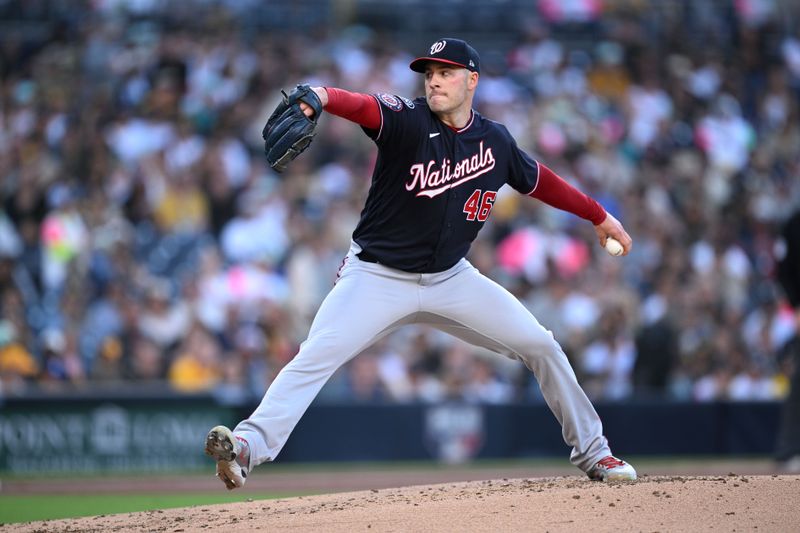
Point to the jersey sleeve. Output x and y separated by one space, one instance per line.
400 121
523 172
356 107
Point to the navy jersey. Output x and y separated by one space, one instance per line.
433 187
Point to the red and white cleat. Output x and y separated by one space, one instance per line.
610 468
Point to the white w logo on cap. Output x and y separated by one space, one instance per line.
438 46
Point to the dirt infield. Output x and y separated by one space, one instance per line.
732 502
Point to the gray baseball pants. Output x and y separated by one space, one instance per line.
369 301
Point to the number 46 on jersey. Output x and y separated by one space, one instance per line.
479 205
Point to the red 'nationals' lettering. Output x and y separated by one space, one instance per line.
433 181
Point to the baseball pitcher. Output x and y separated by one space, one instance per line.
440 165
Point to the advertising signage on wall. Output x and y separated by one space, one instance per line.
106 437
63 435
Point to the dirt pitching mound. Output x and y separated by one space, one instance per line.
556 504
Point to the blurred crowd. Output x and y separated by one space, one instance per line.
144 241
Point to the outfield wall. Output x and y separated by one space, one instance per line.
166 434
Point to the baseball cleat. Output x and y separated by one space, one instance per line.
224 448
609 468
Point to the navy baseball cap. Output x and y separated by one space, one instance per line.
452 52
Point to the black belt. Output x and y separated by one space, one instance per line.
368 257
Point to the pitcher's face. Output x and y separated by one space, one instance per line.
447 88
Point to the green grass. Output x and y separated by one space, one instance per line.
372 466
53 506
333 466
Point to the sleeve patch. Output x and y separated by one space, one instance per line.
391 101
409 103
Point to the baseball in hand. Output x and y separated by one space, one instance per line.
613 246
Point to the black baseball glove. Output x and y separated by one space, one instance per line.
289 131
